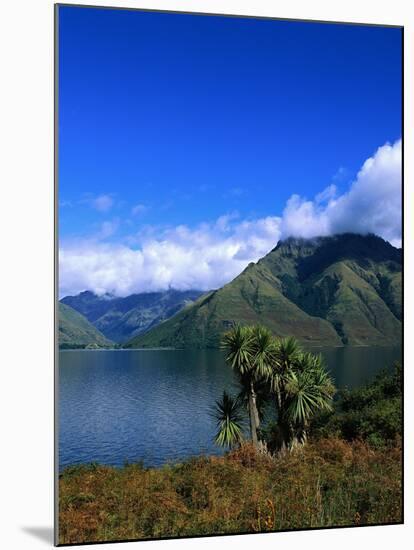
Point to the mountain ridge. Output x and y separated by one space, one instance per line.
121 318
75 331
339 290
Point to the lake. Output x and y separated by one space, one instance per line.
155 406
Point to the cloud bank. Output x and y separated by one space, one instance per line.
372 204
202 258
212 254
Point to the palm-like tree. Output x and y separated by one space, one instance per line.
250 351
267 368
238 343
286 354
304 388
229 421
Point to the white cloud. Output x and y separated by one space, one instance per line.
108 229
371 205
212 254
138 209
302 218
103 203
204 258
326 195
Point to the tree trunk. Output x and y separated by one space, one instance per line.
284 436
254 415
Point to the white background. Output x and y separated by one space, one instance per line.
26 259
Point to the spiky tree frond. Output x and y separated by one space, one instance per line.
238 343
248 352
306 361
264 351
309 389
288 350
286 354
228 415
272 369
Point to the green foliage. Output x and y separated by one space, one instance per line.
372 413
229 421
303 388
249 351
336 290
265 348
75 331
288 354
308 392
239 345
278 371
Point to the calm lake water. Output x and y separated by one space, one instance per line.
154 405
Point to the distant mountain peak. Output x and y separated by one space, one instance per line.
340 245
334 290
86 293
321 240
120 318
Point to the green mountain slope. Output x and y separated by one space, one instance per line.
119 319
75 331
336 290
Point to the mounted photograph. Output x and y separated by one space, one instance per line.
229 274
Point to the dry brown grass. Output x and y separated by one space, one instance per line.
327 483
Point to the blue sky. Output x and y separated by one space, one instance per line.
170 120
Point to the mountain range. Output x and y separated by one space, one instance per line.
120 319
333 291
75 331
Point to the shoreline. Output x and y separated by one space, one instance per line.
141 463
347 346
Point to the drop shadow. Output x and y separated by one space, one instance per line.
44 534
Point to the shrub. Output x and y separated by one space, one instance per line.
372 413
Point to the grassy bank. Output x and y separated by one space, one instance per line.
329 482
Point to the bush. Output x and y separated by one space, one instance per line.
372 413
